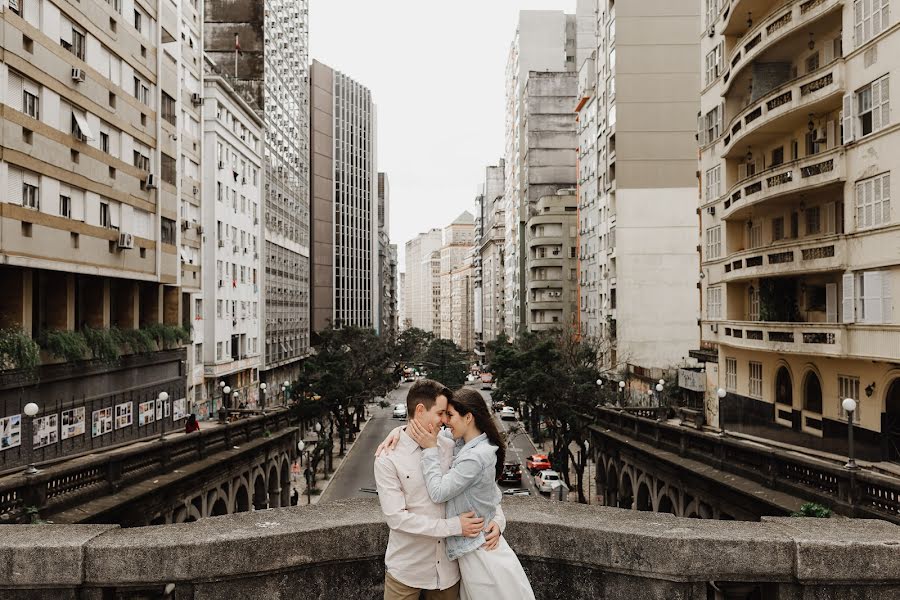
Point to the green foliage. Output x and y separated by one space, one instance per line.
34 517
167 336
411 345
778 300
814 510
446 362
137 340
67 345
103 343
18 350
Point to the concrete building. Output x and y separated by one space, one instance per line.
264 48
405 322
345 285
232 201
637 102
422 286
458 239
488 261
462 303
387 262
800 264
552 264
89 219
540 156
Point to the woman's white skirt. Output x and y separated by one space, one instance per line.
495 575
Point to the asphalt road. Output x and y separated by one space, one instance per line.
518 446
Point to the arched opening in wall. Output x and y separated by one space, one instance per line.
626 492
219 508
812 393
706 512
666 505
160 520
274 488
285 483
260 497
643 498
611 488
890 422
241 499
180 515
784 388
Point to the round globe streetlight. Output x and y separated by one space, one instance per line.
262 395
163 397
31 409
849 406
721 393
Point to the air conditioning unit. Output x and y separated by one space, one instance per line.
196 190
196 99
77 74
150 183
185 225
711 210
221 164
199 228
126 241
221 243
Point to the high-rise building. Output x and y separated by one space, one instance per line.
458 239
551 263
540 135
488 261
637 175
232 201
800 270
405 321
462 302
263 49
387 262
422 285
345 285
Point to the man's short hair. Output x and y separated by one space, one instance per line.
425 392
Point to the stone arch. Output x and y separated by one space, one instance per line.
644 496
783 391
211 496
890 430
260 496
285 482
219 506
274 487
626 490
159 520
812 390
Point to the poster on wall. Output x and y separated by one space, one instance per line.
72 423
168 408
159 410
179 409
101 421
124 415
46 431
146 413
10 431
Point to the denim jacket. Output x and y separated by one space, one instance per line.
470 485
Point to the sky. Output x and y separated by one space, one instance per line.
437 75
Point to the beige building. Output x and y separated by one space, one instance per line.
458 239
462 303
489 258
551 241
422 282
800 262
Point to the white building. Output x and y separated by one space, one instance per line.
489 258
422 283
232 201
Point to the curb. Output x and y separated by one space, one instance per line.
340 466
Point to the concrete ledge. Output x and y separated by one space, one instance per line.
570 551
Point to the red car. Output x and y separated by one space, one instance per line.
537 462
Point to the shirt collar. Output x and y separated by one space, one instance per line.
474 441
406 443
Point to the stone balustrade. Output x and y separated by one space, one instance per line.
571 551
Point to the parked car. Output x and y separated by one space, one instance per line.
399 411
498 405
512 474
537 462
546 480
507 413
516 492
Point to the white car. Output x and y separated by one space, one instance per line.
546 481
399 411
507 413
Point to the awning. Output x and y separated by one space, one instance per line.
83 125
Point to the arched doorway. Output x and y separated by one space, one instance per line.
890 423
812 393
285 483
219 508
260 497
626 493
241 499
784 392
666 505
643 498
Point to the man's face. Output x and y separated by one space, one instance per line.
434 416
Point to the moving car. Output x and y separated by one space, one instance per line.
537 462
399 411
516 492
508 413
486 380
512 473
546 480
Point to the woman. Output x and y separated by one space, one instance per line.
192 425
471 485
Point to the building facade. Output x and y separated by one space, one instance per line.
387 262
552 263
232 202
489 258
799 262
462 303
422 285
458 239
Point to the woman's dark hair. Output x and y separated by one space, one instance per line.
466 401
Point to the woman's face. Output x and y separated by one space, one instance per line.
457 423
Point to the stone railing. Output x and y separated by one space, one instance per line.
852 493
569 551
75 482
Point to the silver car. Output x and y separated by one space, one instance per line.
399 411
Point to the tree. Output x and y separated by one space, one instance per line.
410 346
446 362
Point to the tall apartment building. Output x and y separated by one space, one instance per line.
540 135
345 285
462 302
404 321
489 258
422 285
552 262
458 239
89 219
263 48
637 99
800 263
387 262
232 202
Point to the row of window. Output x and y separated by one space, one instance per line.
227 308
236 273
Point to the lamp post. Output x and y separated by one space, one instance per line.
721 393
308 471
221 386
163 397
849 405
31 409
286 388
262 395
622 391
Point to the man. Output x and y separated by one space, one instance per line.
416 558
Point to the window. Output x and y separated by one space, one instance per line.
730 374
848 387
756 235
813 220
713 183
756 380
777 156
870 18
31 196
812 62
198 354
873 106
713 64
30 101
871 292
141 91
141 160
168 168
777 229
712 12
873 201
105 220
138 20
167 231
104 142
72 39
65 206
714 242
714 302
713 125
753 302
219 308
168 109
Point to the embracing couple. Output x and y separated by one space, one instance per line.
438 491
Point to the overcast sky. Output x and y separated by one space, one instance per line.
437 75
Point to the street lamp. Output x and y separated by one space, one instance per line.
622 390
849 405
308 471
163 397
262 395
30 410
226 391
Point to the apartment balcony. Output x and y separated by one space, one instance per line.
222 369
538 241
538 284
785 180
769 30
556 304
817 255
549 261
785 109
